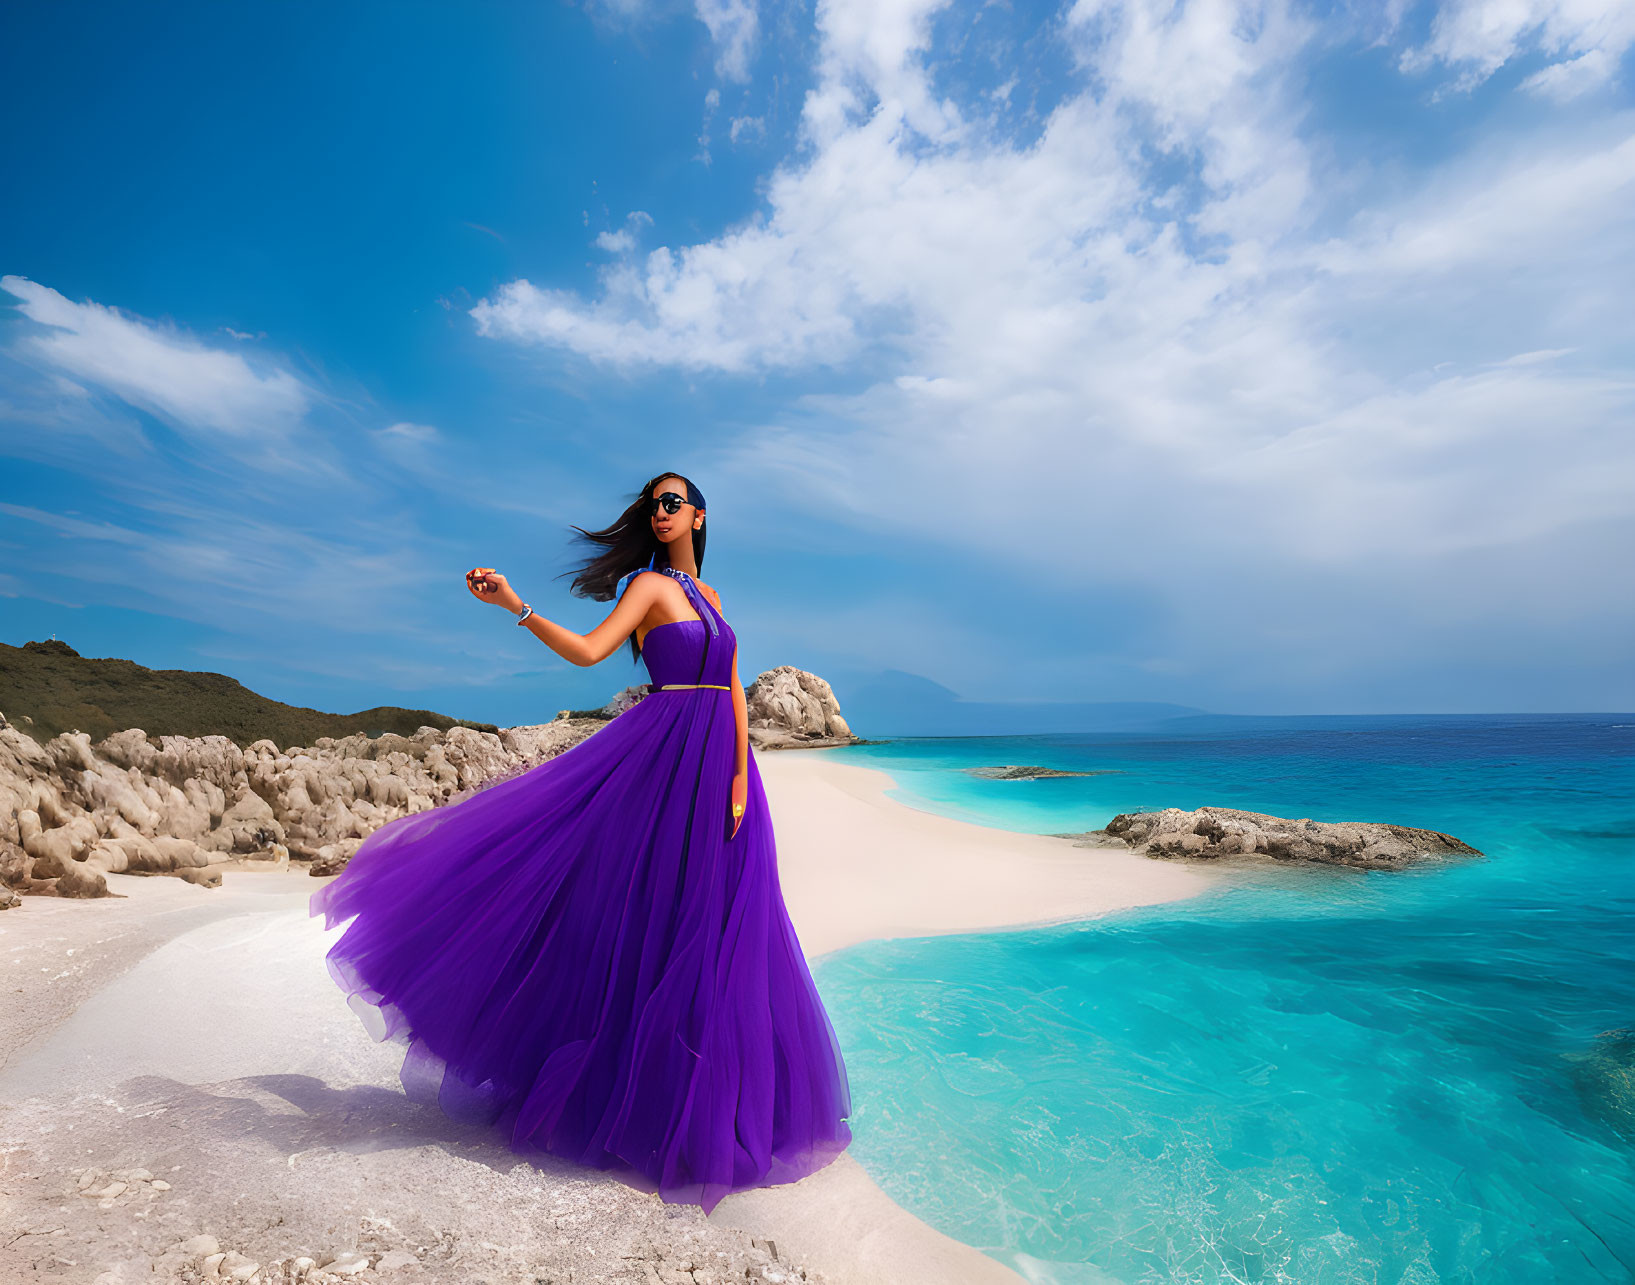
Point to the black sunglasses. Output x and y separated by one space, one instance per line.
670 500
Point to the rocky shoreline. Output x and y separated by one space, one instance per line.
662 1253
262 1187
72 812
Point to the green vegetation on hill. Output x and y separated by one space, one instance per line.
48 687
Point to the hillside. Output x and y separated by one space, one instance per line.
48 687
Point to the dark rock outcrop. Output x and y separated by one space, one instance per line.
1013 772
1228 832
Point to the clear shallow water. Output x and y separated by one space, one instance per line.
1311 1075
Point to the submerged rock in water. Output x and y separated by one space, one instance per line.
1012 772
1605 1080
1223 832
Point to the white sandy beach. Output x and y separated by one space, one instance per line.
195 1033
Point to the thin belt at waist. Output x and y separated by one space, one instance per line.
670 687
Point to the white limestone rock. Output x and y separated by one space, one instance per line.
191 807
1212 833
790 707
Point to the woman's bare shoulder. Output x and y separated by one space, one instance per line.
709 592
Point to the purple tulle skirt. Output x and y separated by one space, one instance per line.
581 957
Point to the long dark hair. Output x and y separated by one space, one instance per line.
629 545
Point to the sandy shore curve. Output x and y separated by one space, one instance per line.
194 1034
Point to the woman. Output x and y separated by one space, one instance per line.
596 953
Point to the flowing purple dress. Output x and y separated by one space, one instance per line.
582 956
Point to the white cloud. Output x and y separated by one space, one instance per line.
1583 38
302 521
419 450
158 368
1564 81
60 422
405 432
623 241
1222 381
1504 212
73 526
733 26
859 241
870 50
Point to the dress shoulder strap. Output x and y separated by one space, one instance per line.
701 604
706 611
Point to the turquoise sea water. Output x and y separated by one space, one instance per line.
1310 1075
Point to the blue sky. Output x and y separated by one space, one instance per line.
1257 357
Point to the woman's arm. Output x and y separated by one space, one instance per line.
601 642
740 772
740 708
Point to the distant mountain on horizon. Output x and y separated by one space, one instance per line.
886 703
893 702
47 688
1239 723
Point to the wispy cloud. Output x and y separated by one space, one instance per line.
733 26
161 369
1583 41
277 506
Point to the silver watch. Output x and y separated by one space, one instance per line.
524 613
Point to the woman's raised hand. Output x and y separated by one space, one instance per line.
488 585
